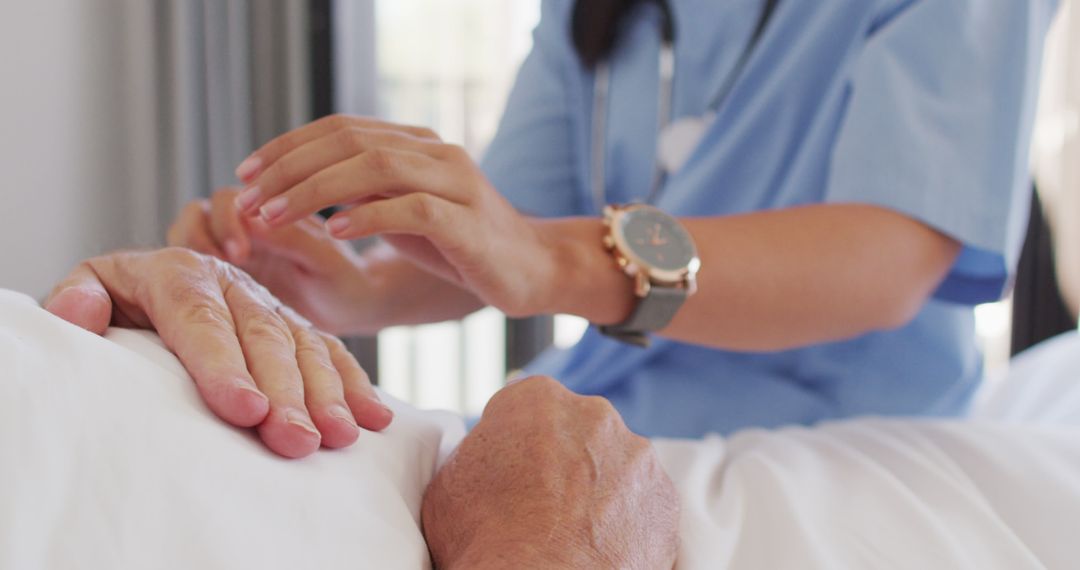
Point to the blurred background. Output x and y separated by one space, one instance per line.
115 113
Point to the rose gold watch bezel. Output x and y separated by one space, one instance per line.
633 265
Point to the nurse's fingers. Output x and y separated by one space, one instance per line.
377 173
283 144
370 413
313 156
192 230
270 351
440 221
227 226
324 395
304 243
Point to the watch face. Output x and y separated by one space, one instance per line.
657 239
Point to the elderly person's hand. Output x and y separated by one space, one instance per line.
548 479
255 361
322 278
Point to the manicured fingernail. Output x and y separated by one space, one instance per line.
274 208
246 199
338 225
232 249
300 420
248 167
342 414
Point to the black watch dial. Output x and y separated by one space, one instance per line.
657 239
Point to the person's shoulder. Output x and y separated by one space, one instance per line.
553 32
888 9
557 13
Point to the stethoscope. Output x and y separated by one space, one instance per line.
677 140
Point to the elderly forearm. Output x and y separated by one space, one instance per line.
407 294
773 280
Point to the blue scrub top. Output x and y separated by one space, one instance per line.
921 106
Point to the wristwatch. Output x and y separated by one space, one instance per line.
657 252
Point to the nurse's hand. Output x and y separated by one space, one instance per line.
426 198
301 264
255 361
550 479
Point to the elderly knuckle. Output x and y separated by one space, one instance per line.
545 384
333 343
642 447
181 260
204 314
537 392
264 326
598 407
313 354
196 307
361 374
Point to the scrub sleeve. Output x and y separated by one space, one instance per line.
936 129
531 159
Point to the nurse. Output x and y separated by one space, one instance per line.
830 187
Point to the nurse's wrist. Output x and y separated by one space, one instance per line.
586 280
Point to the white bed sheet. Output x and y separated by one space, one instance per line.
108 459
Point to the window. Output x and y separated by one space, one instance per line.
449 65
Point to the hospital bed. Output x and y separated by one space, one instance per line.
109 459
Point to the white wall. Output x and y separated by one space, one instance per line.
62 158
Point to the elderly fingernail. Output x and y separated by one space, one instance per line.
383 407
274 208
300 420
339 412
248 167
246 199
338 225
247 386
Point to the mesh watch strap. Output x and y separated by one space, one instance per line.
653 312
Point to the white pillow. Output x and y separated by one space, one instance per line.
1041 385
110 460
876 493
998 490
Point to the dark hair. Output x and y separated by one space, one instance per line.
595 27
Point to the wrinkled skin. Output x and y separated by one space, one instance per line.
549 479
255 361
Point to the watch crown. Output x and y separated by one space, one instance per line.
609 241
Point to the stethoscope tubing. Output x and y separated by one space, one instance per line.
666 68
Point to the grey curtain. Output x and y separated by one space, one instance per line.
210 80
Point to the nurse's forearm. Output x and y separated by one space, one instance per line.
773 280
